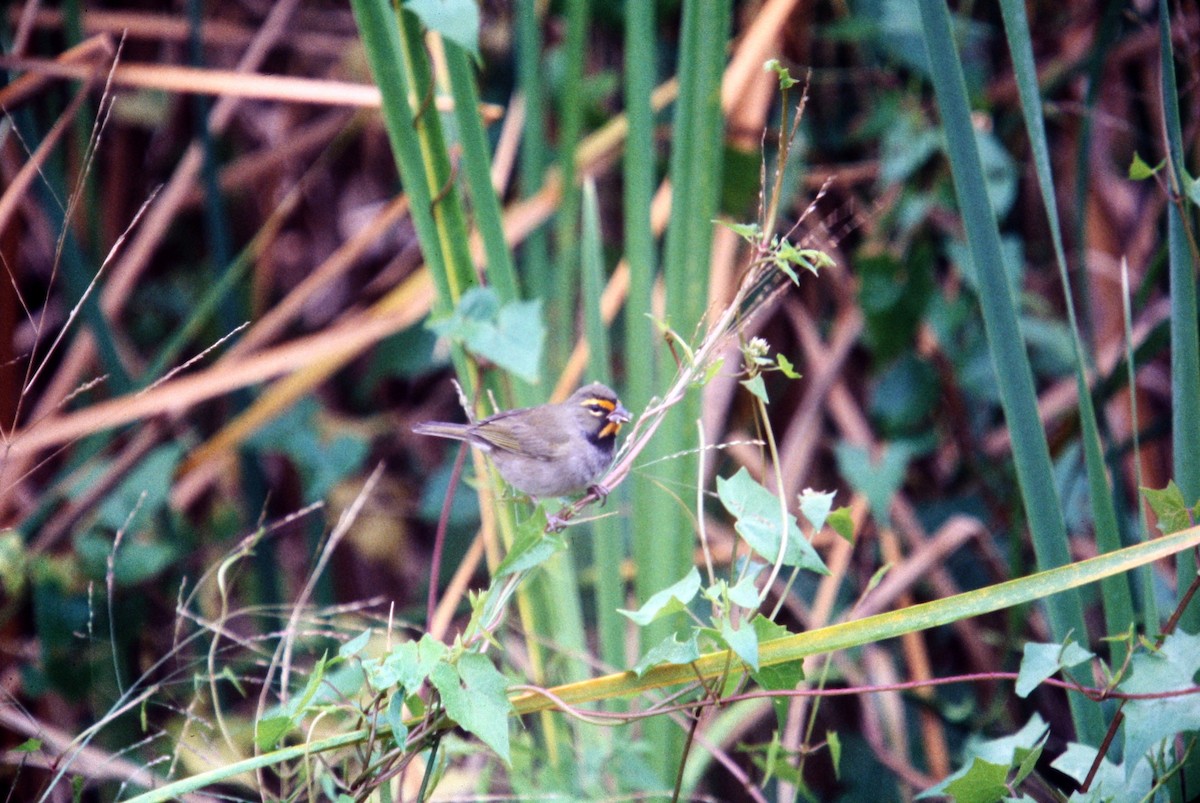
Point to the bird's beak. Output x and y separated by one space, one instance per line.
615 419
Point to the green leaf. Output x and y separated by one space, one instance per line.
778 677
1041 661
407 666
153 477
815 505
532 547
747 231
1169 508
877 577
30 745
786 81
756 386
355 645
1112 781
1027 762
510 336
743 641
270 730
878 481
1172 668
475 695
673 599
744 592
1140 170
842 523
759 519
322 460
1002 753
669 651
786 367
456 20
983 782
394 715
835 752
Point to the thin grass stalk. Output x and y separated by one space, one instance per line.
476 161
638 188
640 253
1010 361
1117 596
663 541
1145 574
535 156
608 546
562 304
400 65
1185 337
1182 258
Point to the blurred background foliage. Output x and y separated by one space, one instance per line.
216 313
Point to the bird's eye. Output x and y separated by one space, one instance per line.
598 407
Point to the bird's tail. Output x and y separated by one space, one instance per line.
438 429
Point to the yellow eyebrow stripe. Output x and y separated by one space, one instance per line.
607 404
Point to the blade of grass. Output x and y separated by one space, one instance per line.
1014 375
1185 337
535 156
563 301
1118 599
663 540
608 545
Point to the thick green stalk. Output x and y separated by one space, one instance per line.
1118 599
1014 375
663 542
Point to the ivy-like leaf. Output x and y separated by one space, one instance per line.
511 336
1140 170
1112 781
879 480
1041 661
983 782
1169 508
669 651
394 715
269 730
756 386
407 666
743 641
355 645
747 231
758 520
816 505
777 677
1172 668
744 593
532 547
786 367
673 599
476 697
842 523
1001 754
